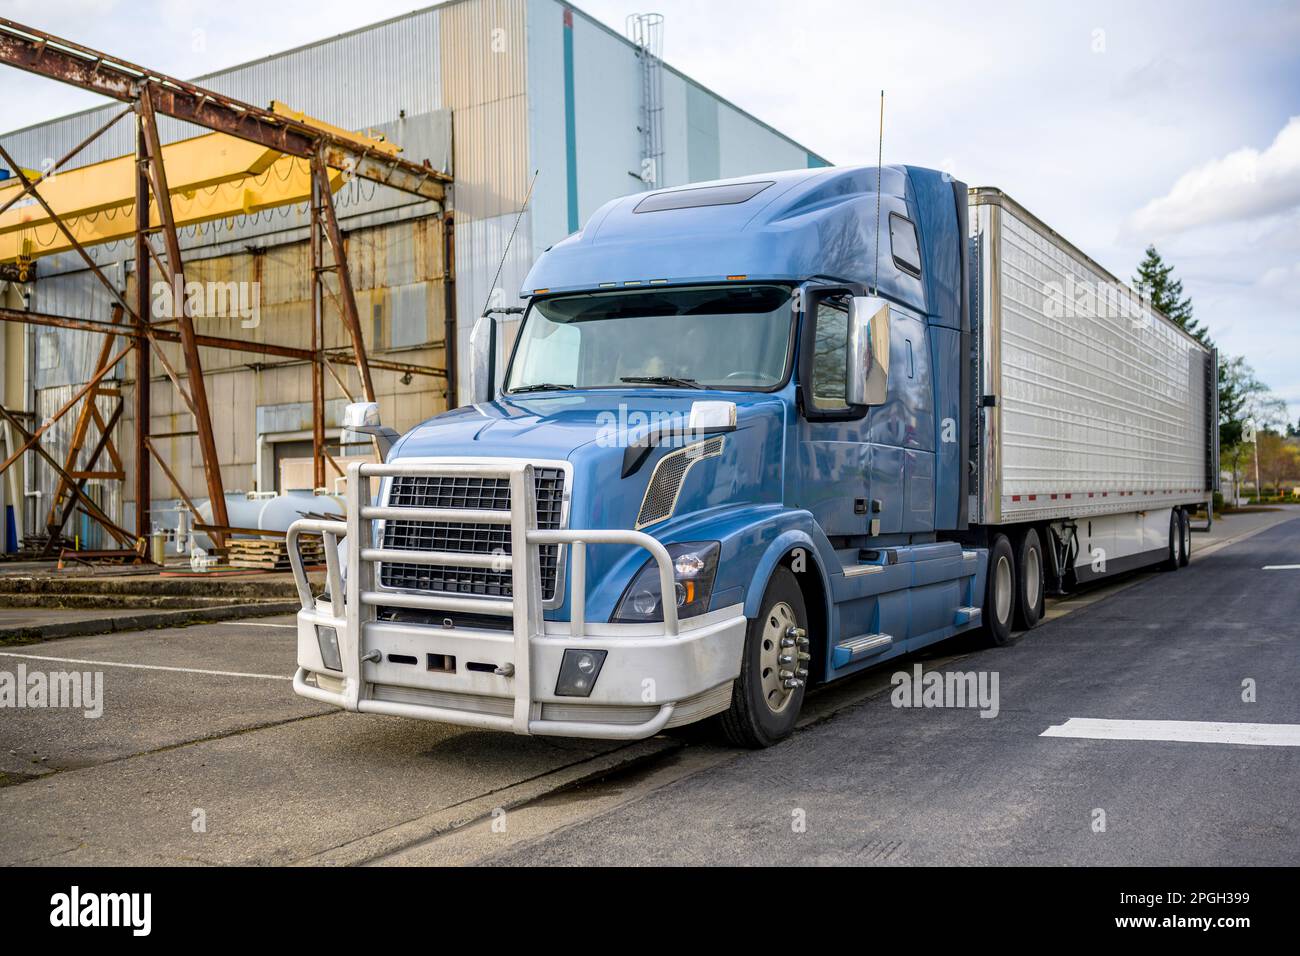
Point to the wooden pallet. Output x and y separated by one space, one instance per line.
271 555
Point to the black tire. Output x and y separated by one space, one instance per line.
1031 581
999 592
1185 537
751 720
1173 560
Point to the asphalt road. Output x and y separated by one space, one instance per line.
879 784
204 755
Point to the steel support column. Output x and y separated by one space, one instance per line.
143 363
317 340
181 313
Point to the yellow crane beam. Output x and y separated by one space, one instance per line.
286 181
210 177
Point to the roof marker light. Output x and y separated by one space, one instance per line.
540 291
734 278
608 285
658 281
633 282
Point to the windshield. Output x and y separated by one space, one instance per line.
708 337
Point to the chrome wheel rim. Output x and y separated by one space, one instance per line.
1002 588
1187 538
782 657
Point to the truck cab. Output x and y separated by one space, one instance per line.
729 456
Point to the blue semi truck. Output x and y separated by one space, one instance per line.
751 436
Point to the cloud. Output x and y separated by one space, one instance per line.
1284 281
1245 184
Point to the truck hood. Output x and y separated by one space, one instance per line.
590 428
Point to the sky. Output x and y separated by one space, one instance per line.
1118 124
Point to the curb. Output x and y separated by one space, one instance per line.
36 633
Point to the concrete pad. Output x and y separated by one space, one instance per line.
148 710
277 795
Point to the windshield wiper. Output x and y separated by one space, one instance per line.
541 387
662 380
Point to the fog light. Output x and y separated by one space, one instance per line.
578 672
328 639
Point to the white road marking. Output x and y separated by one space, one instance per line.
1282 567
1183 731
145 667
256 624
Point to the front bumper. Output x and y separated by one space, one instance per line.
648 681
654 675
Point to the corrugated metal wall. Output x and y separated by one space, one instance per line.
486 75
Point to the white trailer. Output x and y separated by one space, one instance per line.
1097 415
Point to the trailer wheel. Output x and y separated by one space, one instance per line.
1029 575
999 592
1185 534
1174 559
765 704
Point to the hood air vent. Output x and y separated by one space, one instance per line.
666 482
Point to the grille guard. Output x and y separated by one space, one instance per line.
350 616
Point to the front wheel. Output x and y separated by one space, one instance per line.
766 697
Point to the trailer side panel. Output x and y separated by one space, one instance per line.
1093 402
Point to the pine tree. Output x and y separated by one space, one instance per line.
1155 280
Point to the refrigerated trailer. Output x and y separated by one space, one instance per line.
753 435
1098 416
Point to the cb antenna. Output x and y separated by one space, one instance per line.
880 154
487 306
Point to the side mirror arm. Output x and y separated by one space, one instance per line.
362 418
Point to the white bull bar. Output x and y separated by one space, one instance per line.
349 617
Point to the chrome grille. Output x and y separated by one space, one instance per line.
458 491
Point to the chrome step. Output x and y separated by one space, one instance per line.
856 648
968 615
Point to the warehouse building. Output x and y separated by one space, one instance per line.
538 111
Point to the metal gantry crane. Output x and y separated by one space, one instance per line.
152 194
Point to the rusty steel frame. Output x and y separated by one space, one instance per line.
149 94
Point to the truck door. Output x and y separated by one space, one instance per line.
901 432
833 457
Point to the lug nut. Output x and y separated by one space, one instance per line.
798 633
801 673
787 642
784 674
785 659
792 682
804 656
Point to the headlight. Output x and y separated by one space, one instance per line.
694 567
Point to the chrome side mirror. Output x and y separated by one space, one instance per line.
362 419
868 372
359 415
482 352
